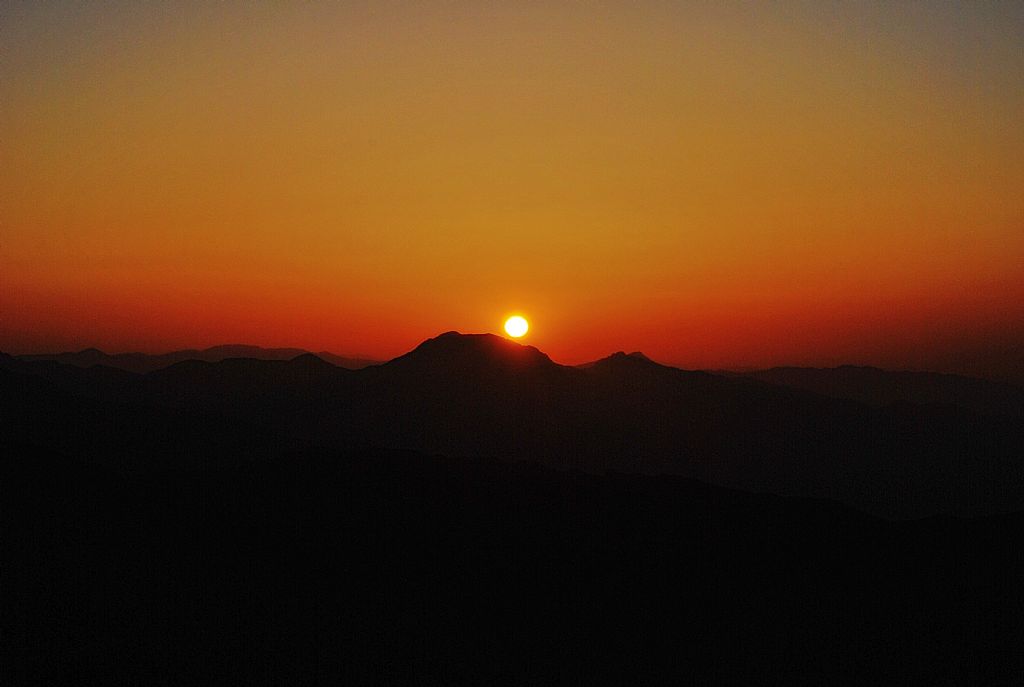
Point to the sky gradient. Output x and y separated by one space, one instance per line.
715 184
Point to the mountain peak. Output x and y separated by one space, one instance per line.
456 350
635 355
636 359
312 361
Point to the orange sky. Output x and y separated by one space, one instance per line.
715 185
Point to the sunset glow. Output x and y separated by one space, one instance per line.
730 185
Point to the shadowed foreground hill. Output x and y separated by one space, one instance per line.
272 566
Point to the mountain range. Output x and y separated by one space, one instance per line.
144 362
891 444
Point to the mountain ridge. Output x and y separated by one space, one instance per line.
491 398
473 350
879 387
142 363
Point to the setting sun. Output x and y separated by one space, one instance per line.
516 326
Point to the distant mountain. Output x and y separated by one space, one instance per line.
348 362
143 362
882 387
486 397
621 356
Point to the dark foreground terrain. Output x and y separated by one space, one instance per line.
394 568
210 524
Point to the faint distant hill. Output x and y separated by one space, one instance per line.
143 362
877 387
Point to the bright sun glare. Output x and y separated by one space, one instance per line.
516 326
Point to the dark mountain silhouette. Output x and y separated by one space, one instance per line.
487 397
882 387
348 362
142 362
620 356
455 353
267 522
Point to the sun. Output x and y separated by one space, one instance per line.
516 326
